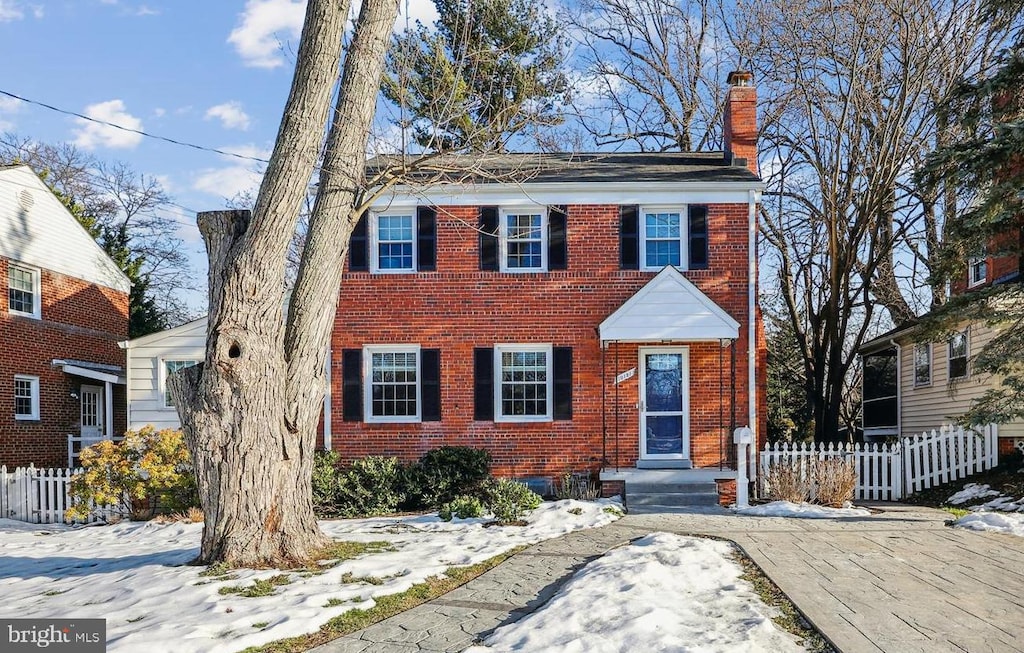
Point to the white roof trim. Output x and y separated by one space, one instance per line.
669 307
160 335
93 374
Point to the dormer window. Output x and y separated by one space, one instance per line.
977 271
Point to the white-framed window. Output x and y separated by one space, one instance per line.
922 364
23 294
977 270
957 362
661 237
392 383
523 377
168 367
26 397
393 237
524 239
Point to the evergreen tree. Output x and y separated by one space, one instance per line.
987 166
488 70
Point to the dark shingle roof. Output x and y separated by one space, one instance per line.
596 167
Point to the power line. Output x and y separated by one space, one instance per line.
133 131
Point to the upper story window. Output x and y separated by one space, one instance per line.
23 291
394 247
392 383
652 237
523 240
977 270
923 364
958 355
26 397
170 367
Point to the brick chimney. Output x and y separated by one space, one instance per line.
741 120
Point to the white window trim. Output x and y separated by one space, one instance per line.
374 237
163 378
549 351
684 233
971 262
34 380
931 364
967 357
368 415
503 213
37 304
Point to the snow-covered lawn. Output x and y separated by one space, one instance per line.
1004 514
661 593
135 575
804 510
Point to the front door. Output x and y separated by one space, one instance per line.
664 403
92 412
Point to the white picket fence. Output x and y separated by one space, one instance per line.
889 472
39 496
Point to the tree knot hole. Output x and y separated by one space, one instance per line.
234 351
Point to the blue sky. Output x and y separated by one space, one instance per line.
211 73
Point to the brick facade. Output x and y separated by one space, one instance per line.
458 308
80 321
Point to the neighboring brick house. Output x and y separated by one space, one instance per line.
553 318
64 311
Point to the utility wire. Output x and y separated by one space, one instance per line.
133 131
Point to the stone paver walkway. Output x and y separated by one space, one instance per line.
899 581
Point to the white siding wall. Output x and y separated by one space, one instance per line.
145 364
929 407
36 229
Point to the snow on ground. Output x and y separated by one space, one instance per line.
135 575
1012 524
805 510
661 593
971 491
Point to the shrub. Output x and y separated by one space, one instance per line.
463 507
374 485
148 471
325 483
509 500
788 480
835 480
445 473
576 485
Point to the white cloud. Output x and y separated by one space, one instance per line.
8 107
234 179
263 26
91 135
230 114
144 10
9 10
159 112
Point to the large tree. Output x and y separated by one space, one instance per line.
250 410
486 71
985 166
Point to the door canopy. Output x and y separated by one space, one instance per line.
669 308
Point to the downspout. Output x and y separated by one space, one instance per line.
752 314
327 403
899 387
126 345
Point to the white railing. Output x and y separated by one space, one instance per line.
78 442
39 496
889 472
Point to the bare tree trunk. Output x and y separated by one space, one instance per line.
250 411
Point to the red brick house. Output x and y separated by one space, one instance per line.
64 311
594 312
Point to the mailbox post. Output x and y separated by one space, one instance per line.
743 437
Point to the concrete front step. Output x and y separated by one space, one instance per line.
654 510
634 499
699 487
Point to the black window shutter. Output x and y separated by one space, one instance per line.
430 385
426 238
697 228
558 248
562 382
629 237
483 384
358 260
488 237
352 385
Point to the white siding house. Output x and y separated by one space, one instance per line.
149 359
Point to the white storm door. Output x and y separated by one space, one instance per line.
91 397
664 403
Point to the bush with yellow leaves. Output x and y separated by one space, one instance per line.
147 472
